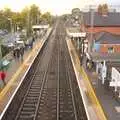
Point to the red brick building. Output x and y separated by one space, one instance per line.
106 42
114 30
109 24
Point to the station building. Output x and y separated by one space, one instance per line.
109 22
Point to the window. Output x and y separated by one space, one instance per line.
110 50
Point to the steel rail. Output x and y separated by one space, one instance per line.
21 106
32 80
70 82
43 83
58 86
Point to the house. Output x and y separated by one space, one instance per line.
106 42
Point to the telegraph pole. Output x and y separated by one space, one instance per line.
91 32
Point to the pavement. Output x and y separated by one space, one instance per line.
18 69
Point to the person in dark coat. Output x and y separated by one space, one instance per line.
14 53
33 39
22 52
18 53
31 43
81 59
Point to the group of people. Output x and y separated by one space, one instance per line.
18 52
29 44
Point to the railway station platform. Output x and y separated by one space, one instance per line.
92 104
18 70
106 97
110 105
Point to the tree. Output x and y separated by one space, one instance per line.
100 9
46 18
17 20
24 20
75 11
7 12
103 9
34 14
25 15
4 18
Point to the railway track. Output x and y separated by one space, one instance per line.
52 92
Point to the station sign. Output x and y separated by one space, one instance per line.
115 75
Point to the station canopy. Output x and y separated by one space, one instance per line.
20 42
40 26
75 32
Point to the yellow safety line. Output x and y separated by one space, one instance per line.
93 97
15 76
91 93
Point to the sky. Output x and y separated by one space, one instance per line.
54 6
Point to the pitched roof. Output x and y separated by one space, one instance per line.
112 19
99 57
107 38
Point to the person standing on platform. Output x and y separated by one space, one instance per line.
33 39
3 76
18 53
22 52
81 59
14 53
31 43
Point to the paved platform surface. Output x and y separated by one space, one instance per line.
107 100
17 70
92 105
